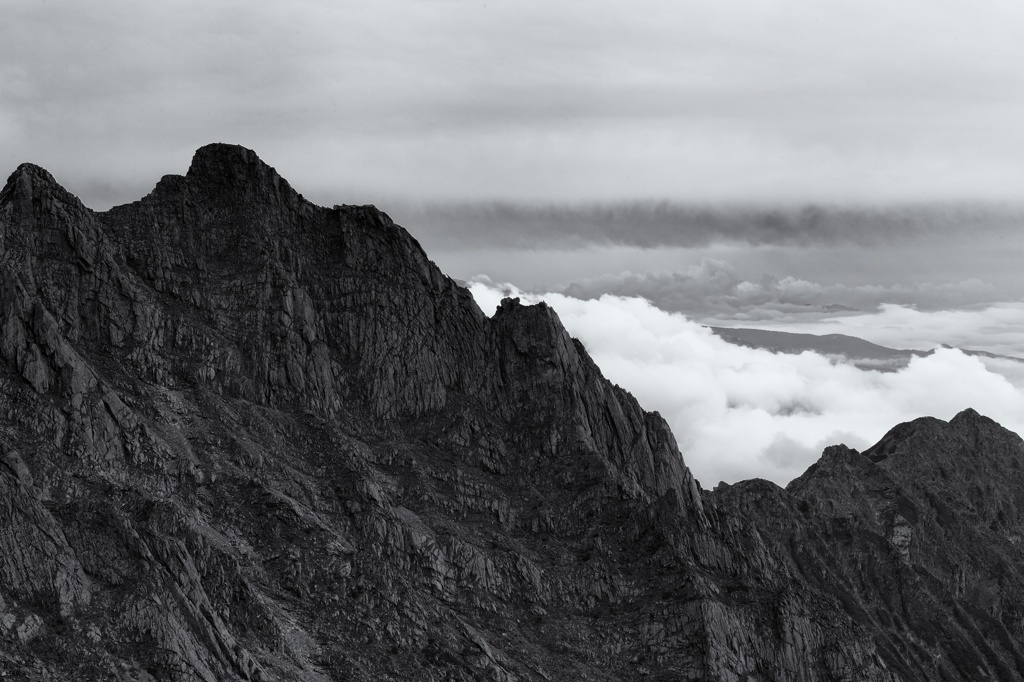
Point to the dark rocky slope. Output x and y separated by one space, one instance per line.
246 437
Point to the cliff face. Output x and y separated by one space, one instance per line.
246 437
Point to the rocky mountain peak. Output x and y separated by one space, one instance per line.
244 437
223 167
969 418
218 162
32 189
27 176
537 333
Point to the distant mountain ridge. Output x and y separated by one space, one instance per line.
857 351
244 437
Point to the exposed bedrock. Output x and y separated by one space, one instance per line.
244 437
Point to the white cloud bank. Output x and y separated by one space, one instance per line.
741 413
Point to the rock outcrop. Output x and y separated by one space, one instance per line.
246 437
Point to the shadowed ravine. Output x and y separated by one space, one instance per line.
246 437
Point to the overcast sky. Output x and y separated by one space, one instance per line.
563 100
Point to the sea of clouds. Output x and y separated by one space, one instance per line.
740 413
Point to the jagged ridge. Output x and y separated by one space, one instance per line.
247 437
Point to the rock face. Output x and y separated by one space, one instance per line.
246 437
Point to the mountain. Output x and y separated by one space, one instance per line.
856 351
247 437
859 352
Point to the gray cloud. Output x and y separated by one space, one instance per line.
661 224
528 101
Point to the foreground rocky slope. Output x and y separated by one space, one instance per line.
246 437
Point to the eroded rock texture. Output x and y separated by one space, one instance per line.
246 437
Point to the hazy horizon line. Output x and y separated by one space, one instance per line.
654 223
